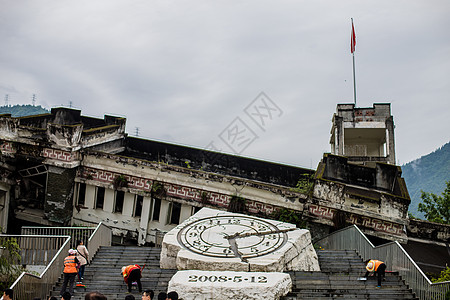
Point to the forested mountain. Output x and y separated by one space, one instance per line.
23 110
428 173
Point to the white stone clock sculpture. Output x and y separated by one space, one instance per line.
218 242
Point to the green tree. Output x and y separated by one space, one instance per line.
10 267
444 276
436 208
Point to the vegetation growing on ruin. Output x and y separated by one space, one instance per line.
289 216
237 204
205 197
158 190
304 184
120 181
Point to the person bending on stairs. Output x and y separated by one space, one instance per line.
132 273
377 267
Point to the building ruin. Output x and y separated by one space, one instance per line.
64 168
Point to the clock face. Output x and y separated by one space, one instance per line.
231 236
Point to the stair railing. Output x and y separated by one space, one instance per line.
102 236
393 254
28 286
77 233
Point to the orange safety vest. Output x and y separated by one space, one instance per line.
128 270
373 264
70 265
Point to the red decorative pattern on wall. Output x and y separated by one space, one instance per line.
321 211
221 200
257 207
182 192
139 183
375 224
173 190
7 147
108 177
58 155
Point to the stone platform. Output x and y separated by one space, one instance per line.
225 285
217 240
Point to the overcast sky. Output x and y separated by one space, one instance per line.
191 72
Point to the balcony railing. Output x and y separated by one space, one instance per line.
393 254
29 286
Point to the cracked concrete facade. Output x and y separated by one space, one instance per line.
63 168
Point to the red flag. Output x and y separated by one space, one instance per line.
353 39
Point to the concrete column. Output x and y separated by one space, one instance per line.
128 204
89 201
108 205
390 140
4 206
340 135
145 217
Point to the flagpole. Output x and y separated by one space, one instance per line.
353 54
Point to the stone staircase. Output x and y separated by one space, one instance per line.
338 278
104 273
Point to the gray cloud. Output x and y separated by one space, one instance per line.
183 70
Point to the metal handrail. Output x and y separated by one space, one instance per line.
393 254
77 233
36 249
28 286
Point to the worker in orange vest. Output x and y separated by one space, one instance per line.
71 264
377 267
132 273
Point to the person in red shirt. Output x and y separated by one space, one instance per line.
132 273
377 267
70 271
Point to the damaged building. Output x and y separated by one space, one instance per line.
64 168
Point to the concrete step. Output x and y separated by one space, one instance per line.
104 273
338 278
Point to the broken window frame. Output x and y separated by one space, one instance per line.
138 203
119 199
81 199
156 209
98 196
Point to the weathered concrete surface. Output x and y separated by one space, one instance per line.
225 285
295 253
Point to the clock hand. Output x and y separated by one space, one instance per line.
241 235
234 248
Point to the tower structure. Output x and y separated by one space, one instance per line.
363 135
